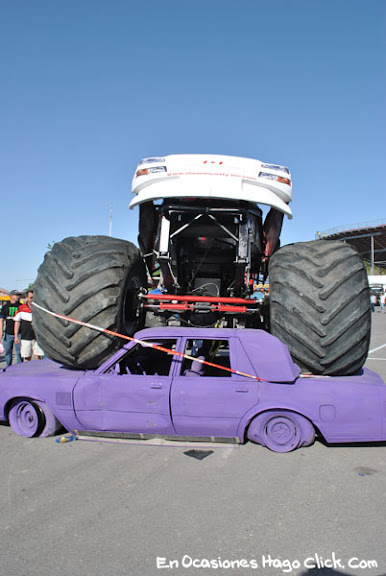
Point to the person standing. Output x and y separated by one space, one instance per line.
7 315
373 301
23 323
382 301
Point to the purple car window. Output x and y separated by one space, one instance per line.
216 351
146 360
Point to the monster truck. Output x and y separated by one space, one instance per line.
203 235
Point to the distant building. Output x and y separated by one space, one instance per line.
368 238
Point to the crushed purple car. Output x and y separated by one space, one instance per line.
142 392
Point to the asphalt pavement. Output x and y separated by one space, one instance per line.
93 508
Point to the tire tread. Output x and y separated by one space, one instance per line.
320 305
83 277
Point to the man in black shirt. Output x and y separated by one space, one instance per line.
7 314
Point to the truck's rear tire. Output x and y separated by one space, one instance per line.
94 279
320 306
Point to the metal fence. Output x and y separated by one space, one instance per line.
350 227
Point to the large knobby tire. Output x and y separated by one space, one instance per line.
94 279
320 306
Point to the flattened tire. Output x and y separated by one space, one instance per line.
94 279
26 418
281 430
320 306
51 423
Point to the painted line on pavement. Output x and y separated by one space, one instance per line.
375 349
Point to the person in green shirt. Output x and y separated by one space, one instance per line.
7 314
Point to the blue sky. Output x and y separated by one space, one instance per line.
88 87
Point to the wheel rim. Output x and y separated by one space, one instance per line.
131 317
25 419
281 433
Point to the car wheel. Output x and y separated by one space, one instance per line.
52 424
26 418
281 431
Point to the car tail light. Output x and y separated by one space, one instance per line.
284 180
276 167
151 170
276 178
152 161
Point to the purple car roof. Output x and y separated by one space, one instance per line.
268 355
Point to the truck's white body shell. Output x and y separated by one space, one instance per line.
212 176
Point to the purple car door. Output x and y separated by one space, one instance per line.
131 395
208 401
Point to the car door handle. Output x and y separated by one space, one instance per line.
156 386
242 390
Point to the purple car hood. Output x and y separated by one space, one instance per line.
40 368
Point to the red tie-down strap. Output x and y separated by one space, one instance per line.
144 343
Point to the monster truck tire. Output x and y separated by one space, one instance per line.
94 279
320 306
